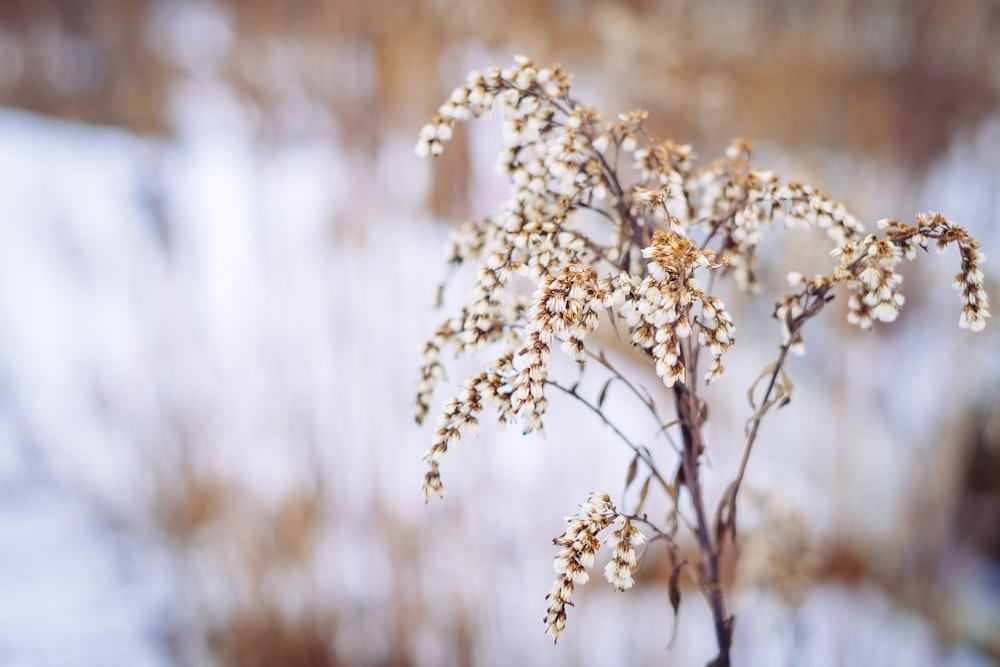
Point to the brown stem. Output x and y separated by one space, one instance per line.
688 412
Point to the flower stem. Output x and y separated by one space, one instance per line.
711 588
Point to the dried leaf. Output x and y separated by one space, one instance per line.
768 370
786 382
633 468
725 515
673 422
675 597
604 393
643 492
778 398
786 387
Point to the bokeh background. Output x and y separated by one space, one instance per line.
218 257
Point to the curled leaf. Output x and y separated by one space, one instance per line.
778 398
767 372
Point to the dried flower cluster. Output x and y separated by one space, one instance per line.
659 309
603 222
578 546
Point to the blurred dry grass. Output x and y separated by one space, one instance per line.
885 81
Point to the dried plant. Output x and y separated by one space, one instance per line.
642 245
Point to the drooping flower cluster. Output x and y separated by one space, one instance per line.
459 416
875 288
867 267
578 546
969 279
521 88
659 309
431 369
536 231
567 308
622 543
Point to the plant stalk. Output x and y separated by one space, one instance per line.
711 587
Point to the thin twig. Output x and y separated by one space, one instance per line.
641 452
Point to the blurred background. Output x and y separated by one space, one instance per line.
218 257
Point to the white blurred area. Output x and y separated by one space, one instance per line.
208 346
